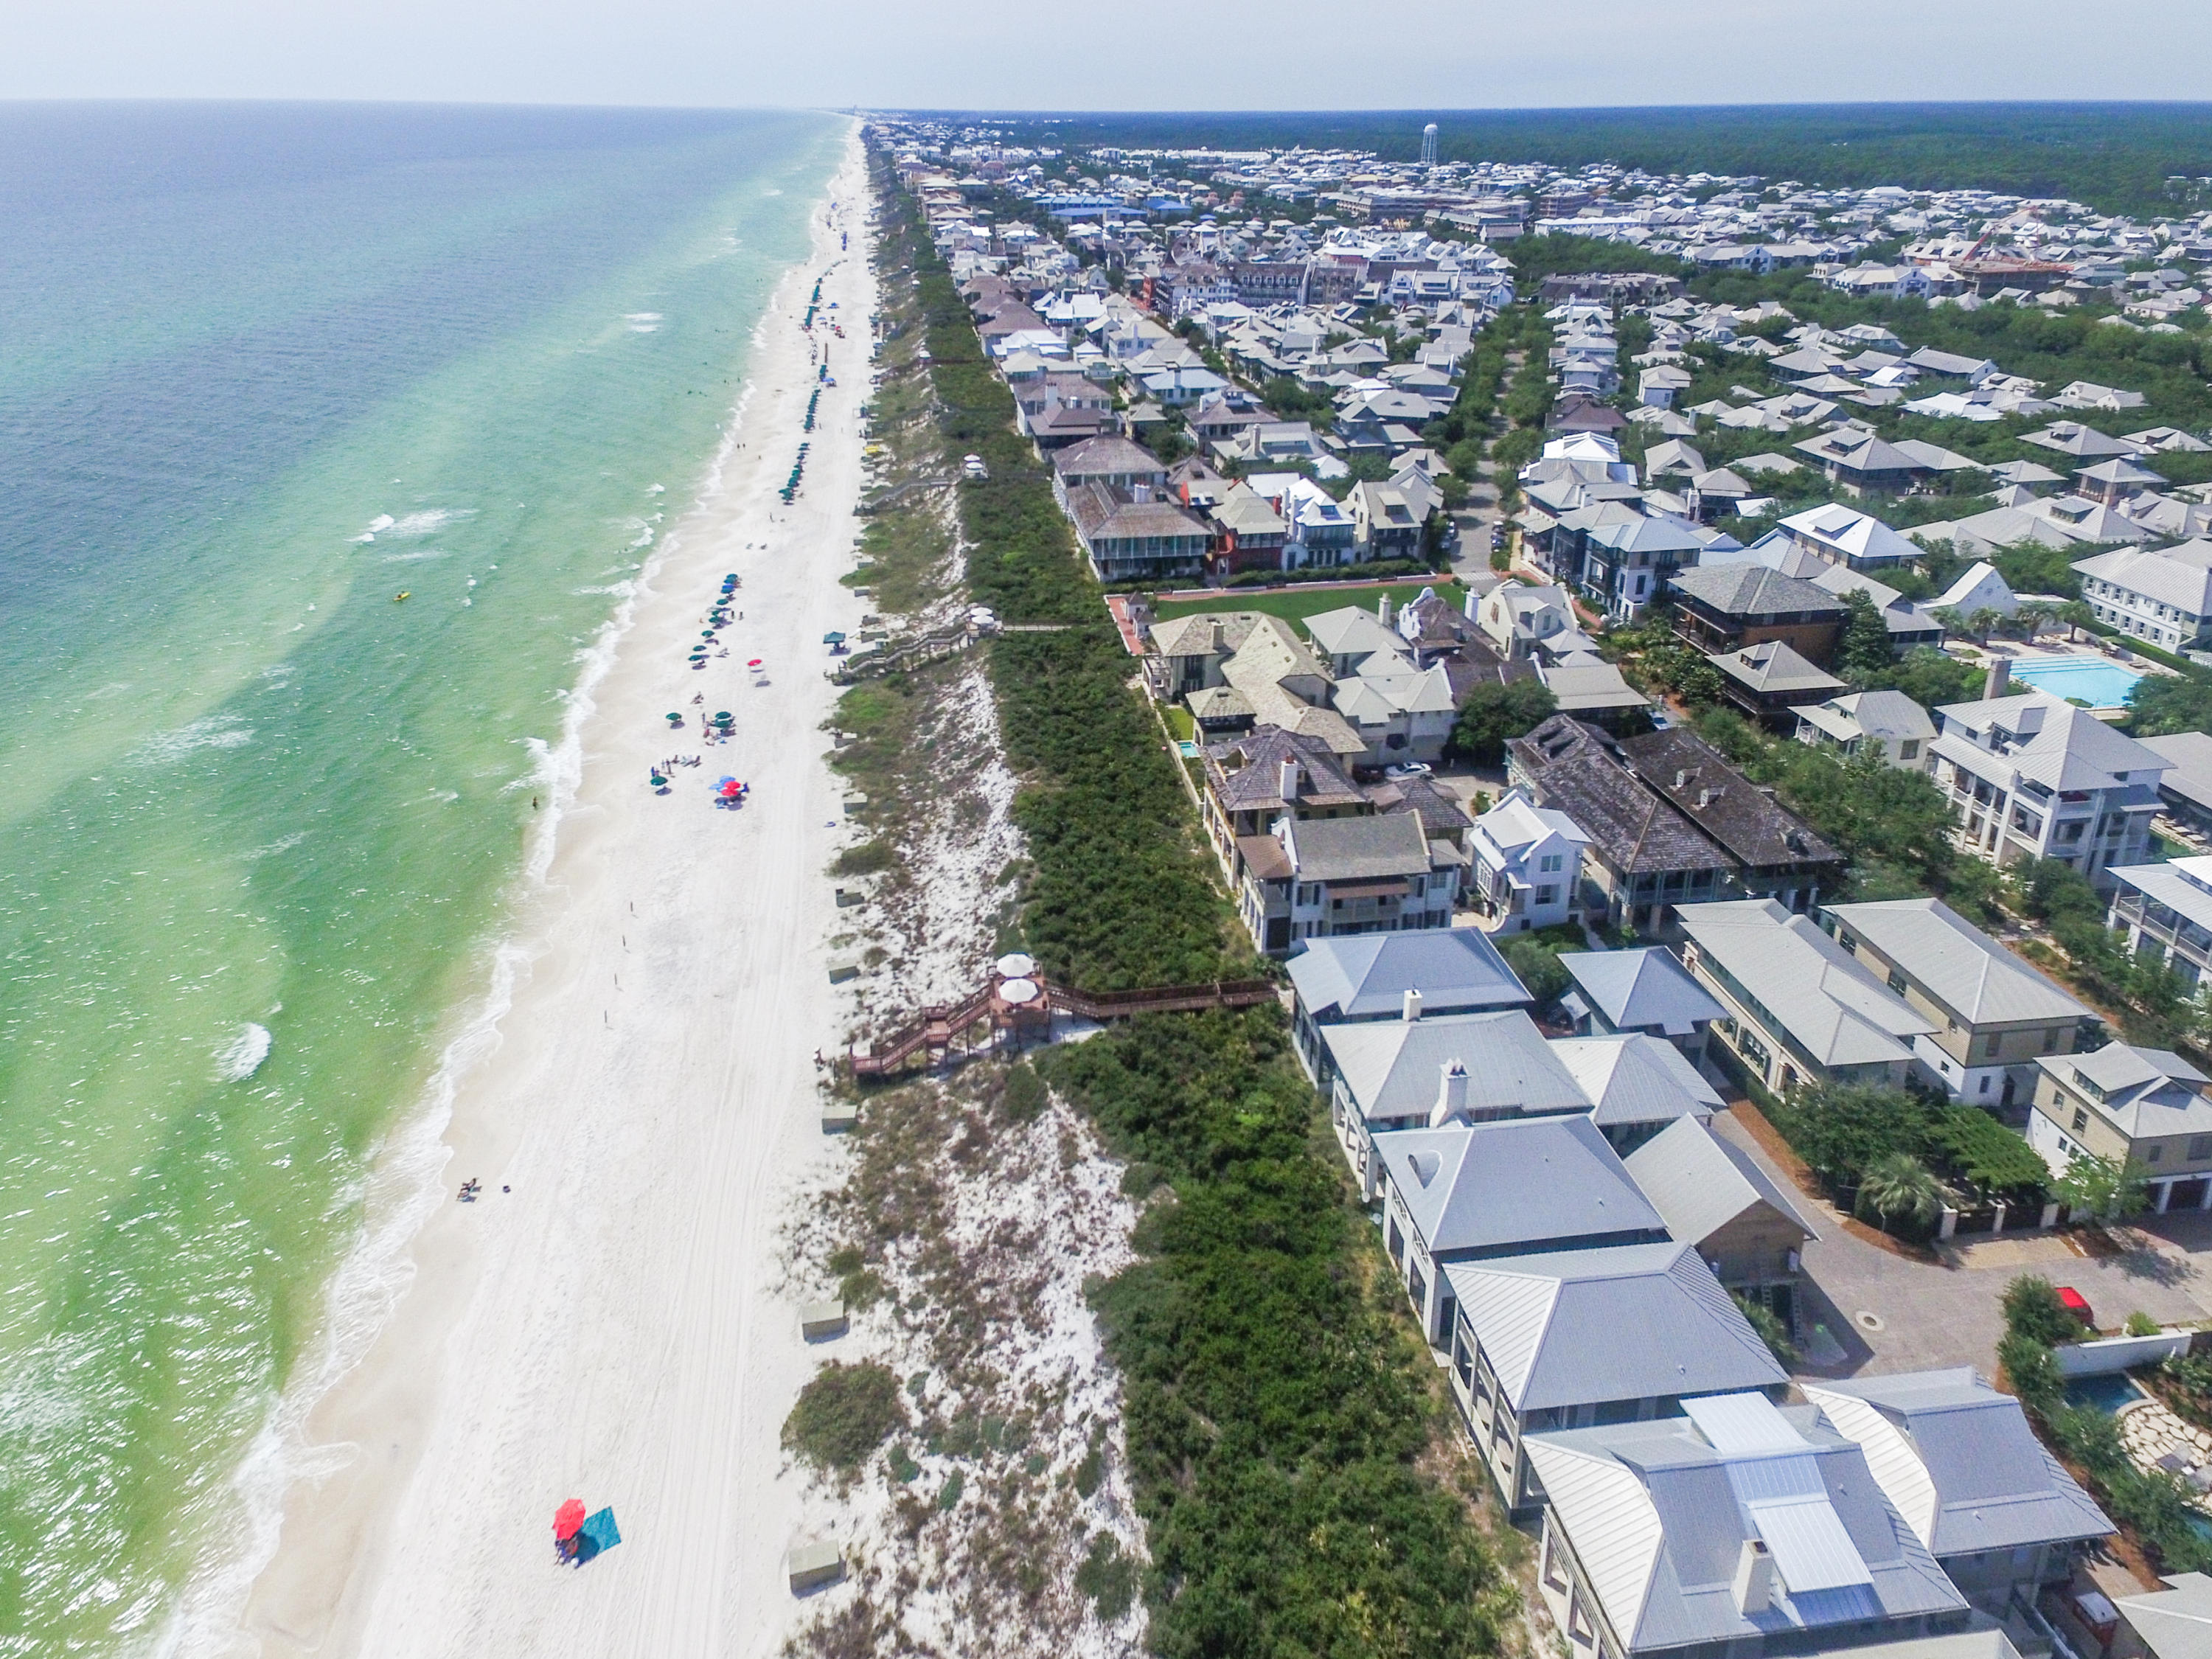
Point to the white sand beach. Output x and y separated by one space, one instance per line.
615 1328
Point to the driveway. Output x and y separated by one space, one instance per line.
1887 1313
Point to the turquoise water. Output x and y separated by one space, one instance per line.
2107 1393
2094 681
265 368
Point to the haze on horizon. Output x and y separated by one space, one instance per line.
1241 54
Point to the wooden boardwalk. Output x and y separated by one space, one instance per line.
942 1027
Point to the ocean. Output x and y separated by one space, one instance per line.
331 437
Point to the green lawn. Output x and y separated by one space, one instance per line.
1292 604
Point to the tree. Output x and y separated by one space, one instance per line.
2033 1309
2162 704
1901 1185
1536 964
2109 1189
1863 653
1494 714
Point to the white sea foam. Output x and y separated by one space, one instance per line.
427 522
216 732
284 845
416 557
241 1057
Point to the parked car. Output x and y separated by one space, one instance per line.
2078 1305
1408 769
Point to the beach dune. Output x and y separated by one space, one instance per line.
609 1322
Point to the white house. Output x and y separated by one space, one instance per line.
1888 722
2163 596
1978 589
1516 616
1528 865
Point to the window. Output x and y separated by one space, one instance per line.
2152 1154
2200 1146
1985 1089
1549 863
2051 1041
1546 895
1897 981
2081 1120
1397 1242
1908 749
1990 1044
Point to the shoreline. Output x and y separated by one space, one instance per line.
613 1328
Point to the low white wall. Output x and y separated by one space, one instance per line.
2119 1353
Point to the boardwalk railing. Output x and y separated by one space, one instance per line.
940 1023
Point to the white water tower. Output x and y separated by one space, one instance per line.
1429 145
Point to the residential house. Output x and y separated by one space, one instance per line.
2174 1623
1721 608
1715 1198
1638 1086
1113 461
1839 535
1862 461
1320 531
2033 776
1799 1007
1625 564
1555 1339
1325 878
2167 908
1526 863
1669 822
1354 642
1769 682
1269 773
1388 1076
1959 1460
1979 587
1128 535
2186 789
1588 686
1517 615
1384 523
2163 596
1735 1528
1400 717
1249 534
1888 724
2144 1107
1643 991
1993 1014
1374 977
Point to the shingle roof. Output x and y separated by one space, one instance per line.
1514 1185
1773 667
1646 986
1106 457
1700 1182
1961 966
1753 589
1577 770
1735 812
1358 849
1255 783
1573 1328
1959 1461
1454 968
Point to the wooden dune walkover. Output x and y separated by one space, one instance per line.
1008 1005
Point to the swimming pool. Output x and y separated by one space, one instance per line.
2107 1393
2099 683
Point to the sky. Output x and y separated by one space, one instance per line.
1230 54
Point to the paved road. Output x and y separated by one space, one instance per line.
1933 1316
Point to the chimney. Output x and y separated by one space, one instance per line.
1451 1095
1999 682
1474 606
1141 492
1705 798
1754 1578
1383 609
1682 778
1218 644
1288 776
1410 1010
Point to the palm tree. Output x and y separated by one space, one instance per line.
1899 1184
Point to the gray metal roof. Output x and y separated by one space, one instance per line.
1700 1182
1659 1517
1642 989
1515 1185
2174 1623
1961 1461
2190 755
1635 1079
1359 850
1753 589
2145 1092
1955 962
1810 988
1637 1321
1393 1068
1455 969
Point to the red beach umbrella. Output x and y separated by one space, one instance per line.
568 1518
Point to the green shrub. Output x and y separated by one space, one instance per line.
948 1495
1023 1099
843 1415
2031 1308
1109 1576
869 858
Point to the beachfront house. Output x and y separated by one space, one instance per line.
1799 1008
2032 776
1389 1075
1735 1530
1325 878
1994 1015
2142 1107
1372 978
1132 534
